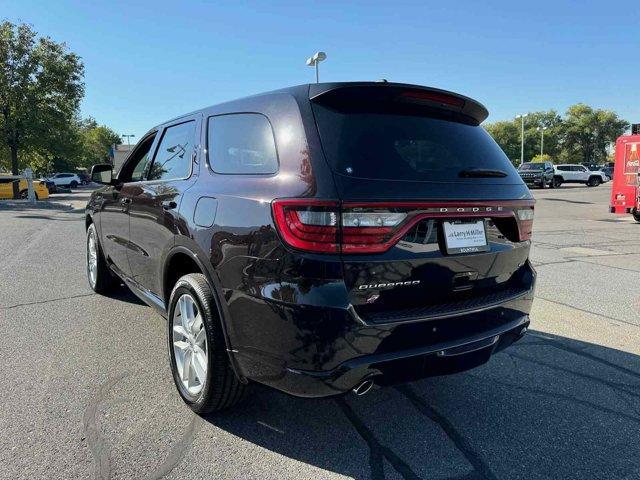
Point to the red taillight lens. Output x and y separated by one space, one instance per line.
308 225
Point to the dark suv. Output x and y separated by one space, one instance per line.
538 174
319 239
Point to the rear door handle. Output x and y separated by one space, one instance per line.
169 204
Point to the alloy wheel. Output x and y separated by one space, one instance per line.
189 341
92 258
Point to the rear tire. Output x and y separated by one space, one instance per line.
219 388
73 184
99 275
636 215
557 181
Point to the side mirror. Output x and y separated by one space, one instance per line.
102 173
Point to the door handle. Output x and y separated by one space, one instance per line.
125 201
169 204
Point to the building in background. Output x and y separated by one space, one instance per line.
118 154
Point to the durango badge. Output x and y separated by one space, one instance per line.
388 285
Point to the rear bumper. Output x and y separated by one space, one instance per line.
403 366
319 351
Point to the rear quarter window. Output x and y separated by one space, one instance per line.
241 144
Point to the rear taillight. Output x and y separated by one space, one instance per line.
308 225
524 217
369 230
331 227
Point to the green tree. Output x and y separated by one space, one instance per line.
507 135
540 158
40 90
587 132
96 141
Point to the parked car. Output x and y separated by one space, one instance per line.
71 180
85 178
51 186
319 239
608 171
6 188
539 174
574 173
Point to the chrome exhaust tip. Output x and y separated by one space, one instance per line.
363 387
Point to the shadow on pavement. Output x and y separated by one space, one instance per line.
547 407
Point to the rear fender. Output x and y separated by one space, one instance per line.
187 246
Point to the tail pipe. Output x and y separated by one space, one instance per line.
363 387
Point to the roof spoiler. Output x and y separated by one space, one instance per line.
398 94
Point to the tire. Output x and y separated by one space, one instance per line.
221 388
73 184
594 182
24 194
103 280
636 215
544 183
557 181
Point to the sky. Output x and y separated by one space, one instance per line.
146 62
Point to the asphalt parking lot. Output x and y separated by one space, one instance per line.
87 391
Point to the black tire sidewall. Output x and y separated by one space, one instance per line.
205 307
73 184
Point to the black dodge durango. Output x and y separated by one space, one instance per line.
319 239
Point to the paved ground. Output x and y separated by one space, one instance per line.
87 392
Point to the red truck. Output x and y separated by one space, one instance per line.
624 188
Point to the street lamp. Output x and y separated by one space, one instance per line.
541 130
315 60
128 137
522 115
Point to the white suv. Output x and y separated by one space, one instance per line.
64 179
574 173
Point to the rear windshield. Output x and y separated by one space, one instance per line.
394 146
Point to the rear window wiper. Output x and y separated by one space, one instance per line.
481 172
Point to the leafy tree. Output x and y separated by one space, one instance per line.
541 158
40 90
588 132
581 136
96 139
507 135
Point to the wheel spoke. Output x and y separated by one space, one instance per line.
181 344
182 304
196 326
200 338
200 365
186 366
179 330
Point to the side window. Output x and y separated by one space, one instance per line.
136 166
562 168
173 159
241 143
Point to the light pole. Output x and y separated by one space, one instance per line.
541 130
128 137
521 116
315 60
